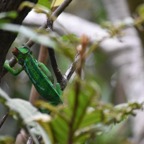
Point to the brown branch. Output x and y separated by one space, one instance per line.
72 68
61 8
60 78
57 12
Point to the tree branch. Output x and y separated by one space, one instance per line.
61 8
72 68
57 12
60 78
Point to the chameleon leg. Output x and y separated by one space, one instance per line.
11 70
46 71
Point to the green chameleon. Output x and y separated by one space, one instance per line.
38 73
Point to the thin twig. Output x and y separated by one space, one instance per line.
3 119
31 141
77 87
33 138
72 68
60 78
76 103
61 8
57 12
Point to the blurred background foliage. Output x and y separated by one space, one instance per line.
101 81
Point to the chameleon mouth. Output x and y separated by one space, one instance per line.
15 51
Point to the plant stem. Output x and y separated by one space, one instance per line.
3 119
57 12
60 78
82 50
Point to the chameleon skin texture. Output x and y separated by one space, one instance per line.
39 79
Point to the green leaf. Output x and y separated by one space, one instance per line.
7 17
140 10
45 3
58 126
42 37
30 115
60 130
46 131
37 7
91 118
88 93
26 111
11 14
62 127
56 3
46 138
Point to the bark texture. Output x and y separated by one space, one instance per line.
7 38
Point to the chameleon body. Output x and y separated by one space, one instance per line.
38 73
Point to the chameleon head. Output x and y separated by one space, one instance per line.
21 53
